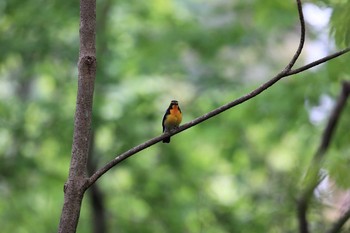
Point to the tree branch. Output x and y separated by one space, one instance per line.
302 38
340 223
325 141
312 177
334 118
318 62
287 71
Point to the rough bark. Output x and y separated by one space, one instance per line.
75 186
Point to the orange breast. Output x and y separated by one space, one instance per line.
173 119
176 114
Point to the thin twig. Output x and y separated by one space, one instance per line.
340 223
302 38
313 173
286 72
318 62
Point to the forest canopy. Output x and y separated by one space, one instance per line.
238 172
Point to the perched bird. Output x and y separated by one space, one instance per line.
172 119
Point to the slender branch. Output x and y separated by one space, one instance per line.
313 172
318 62
325 141
302 38
334 118
286 72
302 206
304 200
339 224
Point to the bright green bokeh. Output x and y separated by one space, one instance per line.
237 172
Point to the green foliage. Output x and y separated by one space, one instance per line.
237 172
340 22
338 163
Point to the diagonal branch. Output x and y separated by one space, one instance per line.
333 119
344 96
339 224
313 173
318 62
286 72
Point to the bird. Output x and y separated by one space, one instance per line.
172 119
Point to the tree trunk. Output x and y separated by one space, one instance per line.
75 187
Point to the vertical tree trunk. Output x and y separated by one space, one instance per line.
75 186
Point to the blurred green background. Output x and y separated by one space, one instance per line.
237 172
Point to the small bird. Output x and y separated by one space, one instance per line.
172 119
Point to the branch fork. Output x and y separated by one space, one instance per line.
287 71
